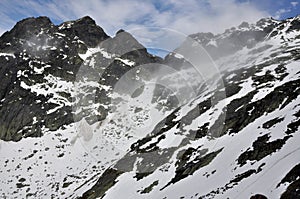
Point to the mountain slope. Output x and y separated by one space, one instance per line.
86 115
45 69
242 145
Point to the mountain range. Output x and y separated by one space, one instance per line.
87 115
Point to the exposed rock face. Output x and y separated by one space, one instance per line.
87 31
39 57
237 136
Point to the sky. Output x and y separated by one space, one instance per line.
184 17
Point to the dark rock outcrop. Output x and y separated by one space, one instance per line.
37 55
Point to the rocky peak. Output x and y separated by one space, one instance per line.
244 25
265 22
86 20
119 31
245 35
33 23
203 37
122 43
28 27
86 29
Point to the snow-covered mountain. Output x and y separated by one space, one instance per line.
85 115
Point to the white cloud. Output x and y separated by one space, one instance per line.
6 23
280 12
294 3
190 16
216 16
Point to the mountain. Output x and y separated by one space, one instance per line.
85 115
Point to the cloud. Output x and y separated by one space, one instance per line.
5 23
187 17
280 12
294 3
214 16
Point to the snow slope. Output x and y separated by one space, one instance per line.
99 117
